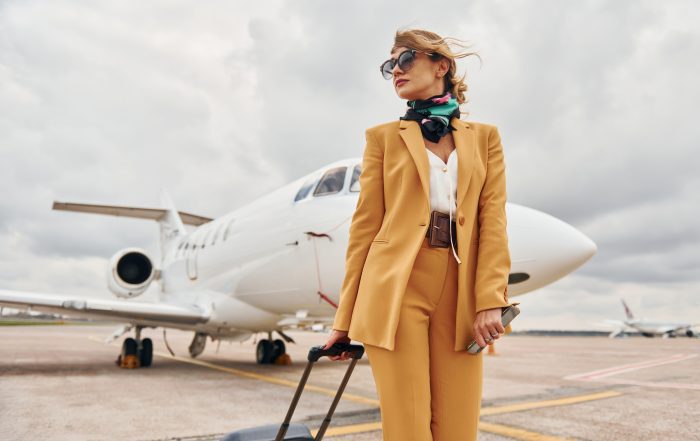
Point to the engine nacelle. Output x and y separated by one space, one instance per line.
130 272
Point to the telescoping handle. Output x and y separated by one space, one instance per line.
315 353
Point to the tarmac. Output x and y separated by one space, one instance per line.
60 382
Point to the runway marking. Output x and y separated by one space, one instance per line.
499 429
495 410
660 384
517 433
255 376
269 379
601 375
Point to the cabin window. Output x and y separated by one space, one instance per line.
355 180
331 182
304 190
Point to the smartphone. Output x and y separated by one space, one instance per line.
507 315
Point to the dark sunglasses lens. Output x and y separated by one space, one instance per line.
387 67
406 60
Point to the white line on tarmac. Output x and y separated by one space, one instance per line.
601 375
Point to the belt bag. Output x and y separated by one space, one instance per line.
439 230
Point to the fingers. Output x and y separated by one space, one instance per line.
488 328
343 356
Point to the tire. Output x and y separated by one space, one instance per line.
264 353
280 348
129 347
146 356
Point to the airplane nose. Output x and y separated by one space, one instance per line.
580 248
545 245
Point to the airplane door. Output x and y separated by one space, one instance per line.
328 252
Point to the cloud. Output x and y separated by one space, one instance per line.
223 102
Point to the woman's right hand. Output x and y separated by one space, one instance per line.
338 337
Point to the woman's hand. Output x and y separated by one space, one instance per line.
488 326
338 336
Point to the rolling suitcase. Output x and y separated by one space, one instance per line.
297 431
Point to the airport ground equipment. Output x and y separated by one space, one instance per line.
298 431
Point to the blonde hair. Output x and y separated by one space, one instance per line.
427 41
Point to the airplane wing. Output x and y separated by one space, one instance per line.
119 310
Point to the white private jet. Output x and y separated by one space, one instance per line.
649 328
273 264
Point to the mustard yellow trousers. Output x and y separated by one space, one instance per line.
427 390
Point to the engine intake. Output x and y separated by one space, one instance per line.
131 271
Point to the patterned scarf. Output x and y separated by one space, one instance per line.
433 115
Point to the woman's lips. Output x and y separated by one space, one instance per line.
400 82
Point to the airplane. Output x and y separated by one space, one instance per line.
648 328
276 263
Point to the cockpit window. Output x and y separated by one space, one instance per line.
355 180
304 190
331 182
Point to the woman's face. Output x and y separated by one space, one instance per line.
423 80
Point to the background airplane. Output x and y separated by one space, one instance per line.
649 328
273 264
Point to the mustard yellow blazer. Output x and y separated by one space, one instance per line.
391 219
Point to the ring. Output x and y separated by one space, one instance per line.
489 339
494 335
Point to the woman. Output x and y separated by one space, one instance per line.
431 206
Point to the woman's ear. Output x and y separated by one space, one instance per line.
443 67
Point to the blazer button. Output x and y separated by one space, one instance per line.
461 220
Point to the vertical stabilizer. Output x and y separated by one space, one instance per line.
171 226
628 311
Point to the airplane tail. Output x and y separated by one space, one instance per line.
171 226
171 222
628 311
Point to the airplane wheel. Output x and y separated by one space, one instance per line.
129 355
146 355
129 347
265 352
280 348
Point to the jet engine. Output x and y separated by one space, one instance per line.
130 272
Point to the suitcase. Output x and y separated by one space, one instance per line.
298 431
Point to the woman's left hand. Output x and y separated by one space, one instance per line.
488 326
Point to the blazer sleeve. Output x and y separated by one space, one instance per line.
366 222
493 262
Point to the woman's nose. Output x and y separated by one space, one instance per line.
396 69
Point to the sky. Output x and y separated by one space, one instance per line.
221 102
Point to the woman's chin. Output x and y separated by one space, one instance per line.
405 94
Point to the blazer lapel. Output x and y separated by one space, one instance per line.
412 136
464 143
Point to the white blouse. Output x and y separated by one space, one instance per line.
443 187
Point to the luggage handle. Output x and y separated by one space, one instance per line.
315 353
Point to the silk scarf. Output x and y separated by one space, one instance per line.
433 115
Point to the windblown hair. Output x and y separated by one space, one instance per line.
427 41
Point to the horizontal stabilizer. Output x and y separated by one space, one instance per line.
156 214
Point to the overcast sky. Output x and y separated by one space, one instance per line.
222 102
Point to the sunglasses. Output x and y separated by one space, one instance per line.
405 61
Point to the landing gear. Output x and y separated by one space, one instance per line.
146 353
265 352
269 351
198 343
136 352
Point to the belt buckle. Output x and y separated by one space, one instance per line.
439 229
